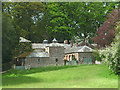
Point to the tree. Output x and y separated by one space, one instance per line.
24 16
76 19
87 17
38 21
58 25
111 55
106 32
10 39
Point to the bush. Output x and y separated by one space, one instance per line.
6 66
111 55
96 55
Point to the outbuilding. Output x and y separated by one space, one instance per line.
81 54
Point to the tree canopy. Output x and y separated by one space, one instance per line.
62 20
9 39
106 32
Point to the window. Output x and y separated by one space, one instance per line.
56 60
39 60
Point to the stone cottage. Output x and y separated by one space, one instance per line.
80 53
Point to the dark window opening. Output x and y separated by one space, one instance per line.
56 60
38 60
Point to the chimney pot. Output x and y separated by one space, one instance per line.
65 41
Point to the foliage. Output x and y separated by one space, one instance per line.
96 55
83 76
6 66
39 21
58 21
18 20
9 39
106 32
22 47
24 16
110 55
67 20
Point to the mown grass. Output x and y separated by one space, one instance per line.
83 76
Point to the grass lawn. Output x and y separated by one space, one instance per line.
83 76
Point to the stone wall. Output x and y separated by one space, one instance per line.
56 51
80 57
37 62
43 61
86 55
56 56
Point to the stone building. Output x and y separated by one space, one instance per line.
79 53
52 54
43 55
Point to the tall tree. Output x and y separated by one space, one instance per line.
38 21
106 32
87 17
76 19
24 16
10 39
58 26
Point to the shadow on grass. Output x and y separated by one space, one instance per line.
14 73
19 80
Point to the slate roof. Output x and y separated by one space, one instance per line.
43 46
55 44
67 46
37 53
75 49
72 49
39 45
85 49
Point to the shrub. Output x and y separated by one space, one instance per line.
96 55
111 55
6 66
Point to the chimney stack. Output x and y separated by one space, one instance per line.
86 41
71 42
77 43
45 41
